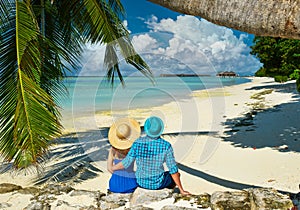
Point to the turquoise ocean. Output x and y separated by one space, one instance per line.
96 93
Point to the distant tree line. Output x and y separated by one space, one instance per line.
280 58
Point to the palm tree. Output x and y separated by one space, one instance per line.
40 40
259 17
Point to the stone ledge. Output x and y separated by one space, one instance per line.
60 196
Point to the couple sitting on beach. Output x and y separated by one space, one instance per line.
150 152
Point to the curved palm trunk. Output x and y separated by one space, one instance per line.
278 18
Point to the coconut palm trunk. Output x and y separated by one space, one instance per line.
278 18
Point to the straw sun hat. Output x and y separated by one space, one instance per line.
154 127
123 133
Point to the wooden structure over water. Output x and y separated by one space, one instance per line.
184 75
227 74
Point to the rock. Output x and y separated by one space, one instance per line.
83 192
7 187
29 190
62 203
56 189
201 201
268 198
140 207
238 200
106 206
38 206
60 196
5 205
114 200
117 197
171 207
143 196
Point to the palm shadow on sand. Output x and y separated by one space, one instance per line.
277 127
76 155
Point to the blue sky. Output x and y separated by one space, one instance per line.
171 42
142 9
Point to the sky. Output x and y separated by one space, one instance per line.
175 43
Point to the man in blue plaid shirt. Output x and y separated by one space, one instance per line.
150 153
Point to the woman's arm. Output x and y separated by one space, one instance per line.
110 160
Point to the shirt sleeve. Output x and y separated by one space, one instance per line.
170 161
130 157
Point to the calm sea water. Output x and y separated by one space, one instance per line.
86 93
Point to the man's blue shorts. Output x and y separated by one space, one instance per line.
167 182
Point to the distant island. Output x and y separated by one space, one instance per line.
184 75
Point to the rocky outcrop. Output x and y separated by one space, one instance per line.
7 187
142 196
60 196
231 200
263 198
251 199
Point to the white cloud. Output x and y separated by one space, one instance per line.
195 42
92 60
144 42
185 45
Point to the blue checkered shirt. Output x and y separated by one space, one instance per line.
150 155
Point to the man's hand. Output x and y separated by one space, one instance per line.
183 192
118 166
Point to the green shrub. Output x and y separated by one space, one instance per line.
279 78
295 74
298 84
261 72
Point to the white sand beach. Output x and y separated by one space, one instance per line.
228 138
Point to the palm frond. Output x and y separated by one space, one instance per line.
66 39
102 24
27 123
4 10
117 7
33 64
111 62
8 82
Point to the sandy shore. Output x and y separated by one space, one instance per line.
224 139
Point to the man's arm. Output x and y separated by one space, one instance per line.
173 169
126 162
176 178
118 166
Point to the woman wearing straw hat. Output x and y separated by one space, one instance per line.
121 136
150 153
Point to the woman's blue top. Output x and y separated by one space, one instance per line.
123 181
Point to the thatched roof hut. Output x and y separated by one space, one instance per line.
227 74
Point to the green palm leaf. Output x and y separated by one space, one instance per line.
102 25
34 63
27 125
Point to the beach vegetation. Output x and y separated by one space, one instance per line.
279 56
281 79
41 41
298 85
260 95
295 74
